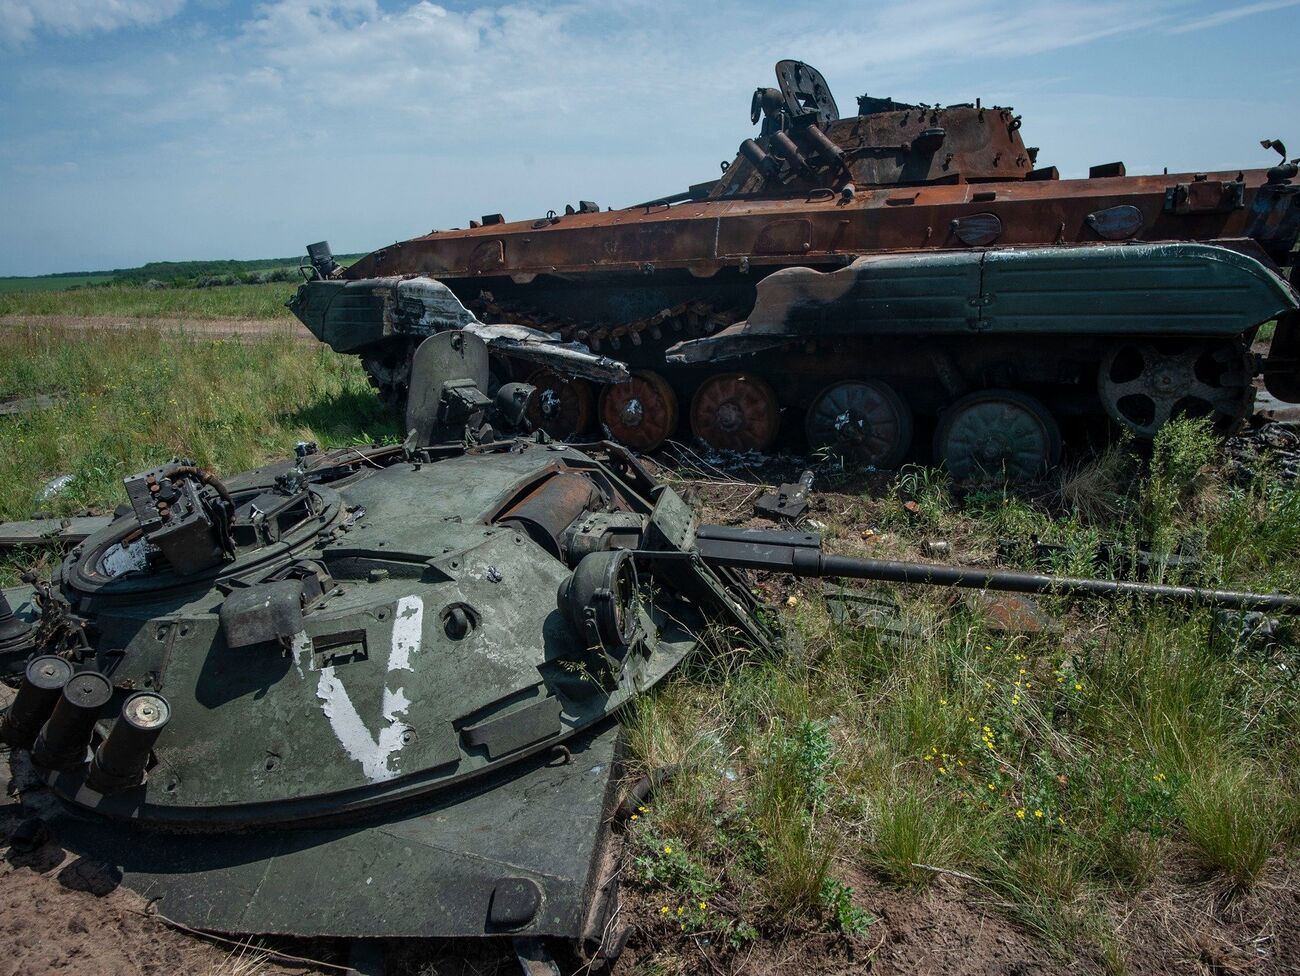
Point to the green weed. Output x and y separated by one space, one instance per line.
1234 818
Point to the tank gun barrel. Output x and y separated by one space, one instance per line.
800 554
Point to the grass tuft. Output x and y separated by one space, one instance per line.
916 829
1234 819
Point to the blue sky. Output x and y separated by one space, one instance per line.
136 130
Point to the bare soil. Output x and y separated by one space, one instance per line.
63 914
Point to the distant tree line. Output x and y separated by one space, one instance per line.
209 274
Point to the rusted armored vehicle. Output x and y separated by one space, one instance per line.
865 282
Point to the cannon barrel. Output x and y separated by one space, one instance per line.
800 554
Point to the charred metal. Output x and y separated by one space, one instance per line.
944 216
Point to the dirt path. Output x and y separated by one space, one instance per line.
219 328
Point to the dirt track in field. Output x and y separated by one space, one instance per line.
217 328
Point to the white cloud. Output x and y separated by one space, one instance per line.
369 120
20 19
1232 13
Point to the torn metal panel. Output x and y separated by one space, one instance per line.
789 501
68 531
1188 289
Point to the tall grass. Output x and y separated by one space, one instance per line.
261 302
1064 769
130 400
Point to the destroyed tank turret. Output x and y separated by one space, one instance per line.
364 692
863 281
368 693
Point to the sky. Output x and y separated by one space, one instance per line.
138 130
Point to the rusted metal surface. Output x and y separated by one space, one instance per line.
641 413
736 412
813 193
706 236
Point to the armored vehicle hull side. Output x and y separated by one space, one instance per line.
818 192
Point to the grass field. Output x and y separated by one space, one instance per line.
131 301
52 282
1123 784
128 400
1119 789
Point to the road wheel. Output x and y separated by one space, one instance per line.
866 422
999 435
735 412
1143 384
562 406
641 413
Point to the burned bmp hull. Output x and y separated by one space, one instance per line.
652 285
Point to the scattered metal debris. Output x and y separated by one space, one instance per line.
1274 445
66 531
1013 613
788 502
872 610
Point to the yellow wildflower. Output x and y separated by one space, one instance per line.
1020 814
1038 813
667 849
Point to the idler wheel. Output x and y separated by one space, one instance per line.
997 434
641 413
562 405
866 422
1144 384
735 412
